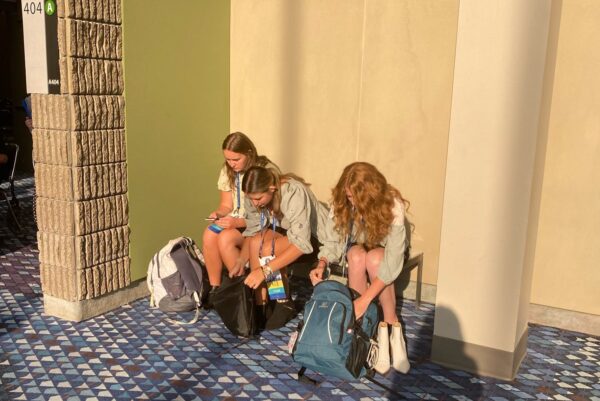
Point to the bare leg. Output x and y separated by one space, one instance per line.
387 297
260 293
357 271
230 245
212 257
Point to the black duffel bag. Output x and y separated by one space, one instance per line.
234 302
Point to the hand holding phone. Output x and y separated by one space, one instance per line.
215 228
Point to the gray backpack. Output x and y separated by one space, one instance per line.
177 278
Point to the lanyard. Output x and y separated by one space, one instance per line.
263 229
348 242
237 184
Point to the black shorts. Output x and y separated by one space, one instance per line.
366 248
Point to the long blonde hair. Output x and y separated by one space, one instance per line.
372 213
259 179
240 143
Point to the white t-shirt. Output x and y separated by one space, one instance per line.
223 185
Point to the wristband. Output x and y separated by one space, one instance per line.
267 271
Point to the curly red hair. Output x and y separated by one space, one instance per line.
374 201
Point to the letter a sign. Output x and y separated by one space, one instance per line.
50 7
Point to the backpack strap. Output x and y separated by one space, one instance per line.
185 265
305 379
151 286
372 355
196 315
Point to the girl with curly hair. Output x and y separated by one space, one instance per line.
367 224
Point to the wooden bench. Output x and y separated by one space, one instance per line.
415 259
304 264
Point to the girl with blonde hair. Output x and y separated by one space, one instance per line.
283 218
367 225
222 241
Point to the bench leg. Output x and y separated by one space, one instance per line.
11 211
419 281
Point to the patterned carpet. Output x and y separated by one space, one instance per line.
133 353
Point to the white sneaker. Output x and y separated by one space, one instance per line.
398 346
383 340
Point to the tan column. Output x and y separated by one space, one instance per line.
483 284
80 170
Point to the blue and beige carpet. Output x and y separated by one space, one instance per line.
133 353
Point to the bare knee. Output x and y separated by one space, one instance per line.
254 242
253 245
356 256
270 239
209 239
228 238
373 261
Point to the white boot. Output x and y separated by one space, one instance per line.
383 340
399 356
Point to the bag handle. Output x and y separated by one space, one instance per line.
151 286
196 315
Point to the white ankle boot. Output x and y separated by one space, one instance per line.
399 356
383 340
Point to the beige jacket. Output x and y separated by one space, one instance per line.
394 245
303 215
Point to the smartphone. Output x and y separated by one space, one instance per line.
215 228
26 103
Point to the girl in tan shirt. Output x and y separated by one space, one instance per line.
282 216
222 241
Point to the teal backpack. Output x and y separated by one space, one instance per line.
329 339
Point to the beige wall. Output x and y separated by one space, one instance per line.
567 259
319 85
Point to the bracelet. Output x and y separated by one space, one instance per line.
322 260
267 271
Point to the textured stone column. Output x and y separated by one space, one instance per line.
80 170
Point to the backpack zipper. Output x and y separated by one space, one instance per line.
329 322
306 321
342 326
